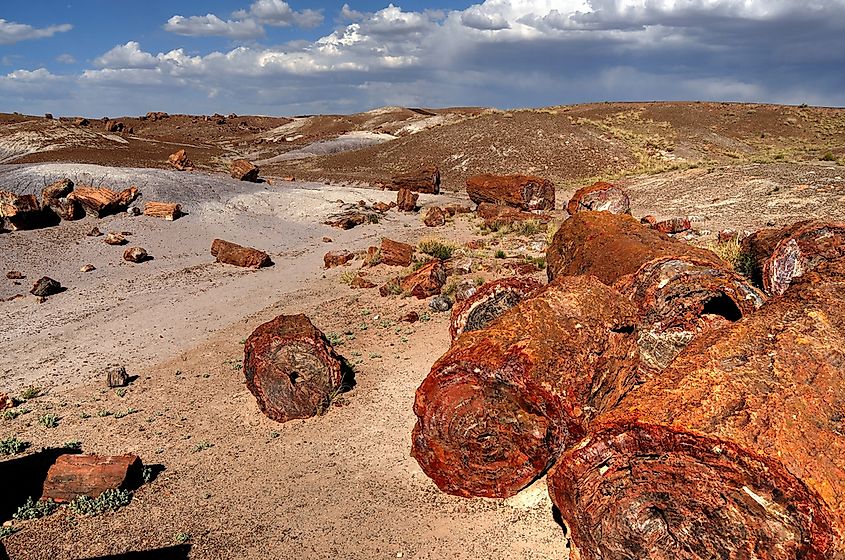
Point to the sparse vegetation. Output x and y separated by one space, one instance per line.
6 530
500 254
13 413
35 509
49 420
731 252
437 248
73 445
539 262
30 393
828 156
110 500
347 276
182 538
525 228
202 446
12 446
126 412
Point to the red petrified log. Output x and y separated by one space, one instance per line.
425 180
610 246
395 253
89 475
600 197
488 303
337 258
673 225
425 282
406 201
244 170
101 201
168 210
499 406
779 255
231 253
520 191
180 161
291 368
735 451
434 217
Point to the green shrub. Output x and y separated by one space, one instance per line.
110 500
49 420
32 509
437 248
828 156
12 446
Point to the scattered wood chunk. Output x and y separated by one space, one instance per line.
102 201
15 275
427 281
489 302
95 232
234 254
600 197
87 268
395 253
735 449
20 212
180 161
392 287
167 210
72 476
410 317
500 404
434 217
406 201
46 287
6 401
291 368
673 225
60 189
244 170
361 283
425 180
116 376
136 255
113 238
381 207
337 258
524 192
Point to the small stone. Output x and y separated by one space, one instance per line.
88 268
327 239
133 211
410 317
95 232
15 275
114 239
116 376
440 304
135 255
46 287
5 401
360 282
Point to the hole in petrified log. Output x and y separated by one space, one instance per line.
485 312
624 329
723 306
295 377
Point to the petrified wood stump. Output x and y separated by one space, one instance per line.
735 451
498 407
424 180
89 475
779 255
291 368
610 246
488 303
679 298
600 197
525 192
234 254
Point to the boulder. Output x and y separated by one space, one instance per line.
424 180
434 217
72 476
20 211
135 255
180 160
244 170
524 192
60 189
101 201
427 281
114 238
231 253
46 287
496 215
600 197
116 376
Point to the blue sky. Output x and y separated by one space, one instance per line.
100 57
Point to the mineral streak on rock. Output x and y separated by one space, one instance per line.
734 451
291 368
498 407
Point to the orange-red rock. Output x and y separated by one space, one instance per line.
337 258
520 191
406 201
89 475
600 197
673 225
395 253
234 254
434 217
427 281
244 170
180 160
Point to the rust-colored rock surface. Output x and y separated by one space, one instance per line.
499 215
102 201
234 254
679 298
498 407
20 211
136 255
337 258
291 368
406 200
525 192
180 160
673 225
425 180
779 255
58 189
434 217
89 475
244 170
395 253
489 302
735 451
600 197
610 246
425 282
168 210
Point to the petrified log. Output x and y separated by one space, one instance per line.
779 255
488 303
395 253
291 368
673 225
180 160
350 219
102 201
243 170
610 246
679 298
434 217
499 406
64 209
735 451
45 287
15 275
20 211
60 189
520 191
136 255
600 197
425 180
116 376
361 283
168 210
406 201
234 254
496 215
337 258
89 475
425 282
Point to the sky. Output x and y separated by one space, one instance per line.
271 57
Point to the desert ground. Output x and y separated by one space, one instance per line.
232 482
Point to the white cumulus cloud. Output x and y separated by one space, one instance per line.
11 32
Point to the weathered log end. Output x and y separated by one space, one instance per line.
291 368
168 210
244 170
488 303
600 197
424 180
90 475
